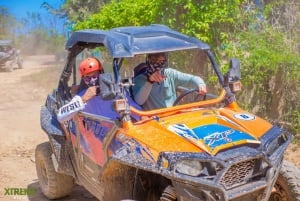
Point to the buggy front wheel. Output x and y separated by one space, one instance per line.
53 184
287 186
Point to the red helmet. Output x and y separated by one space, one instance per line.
89 65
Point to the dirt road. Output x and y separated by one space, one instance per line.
22 92
21 95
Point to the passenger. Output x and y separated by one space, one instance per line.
90 68
155 84
86 99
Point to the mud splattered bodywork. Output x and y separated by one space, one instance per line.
246 169
208 149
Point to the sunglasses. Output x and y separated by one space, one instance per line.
91 77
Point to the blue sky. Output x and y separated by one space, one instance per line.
19 8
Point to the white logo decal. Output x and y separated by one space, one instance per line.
217 136
182 130
245 117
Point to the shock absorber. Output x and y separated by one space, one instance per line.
169 194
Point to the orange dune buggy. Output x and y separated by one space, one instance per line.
203 148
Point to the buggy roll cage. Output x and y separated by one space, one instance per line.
125 42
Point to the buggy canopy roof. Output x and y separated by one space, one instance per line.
130 41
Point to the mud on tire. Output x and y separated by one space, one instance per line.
54 185
287 186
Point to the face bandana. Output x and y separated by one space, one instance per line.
156 66
91 80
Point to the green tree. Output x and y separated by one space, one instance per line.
263 36
7 23
122 13
79 10
206 19
268 49
41 35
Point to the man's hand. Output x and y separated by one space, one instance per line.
202 89
156 77
89 94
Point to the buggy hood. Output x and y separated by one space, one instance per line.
201 130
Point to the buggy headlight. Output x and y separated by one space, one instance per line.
189 167
276 143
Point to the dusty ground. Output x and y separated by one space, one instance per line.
21 95
22 92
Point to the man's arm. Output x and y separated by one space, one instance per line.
186 80
141 89
67 111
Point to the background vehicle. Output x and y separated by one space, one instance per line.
202 148
9 56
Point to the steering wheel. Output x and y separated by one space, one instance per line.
195 97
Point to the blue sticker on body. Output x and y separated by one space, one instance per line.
213 135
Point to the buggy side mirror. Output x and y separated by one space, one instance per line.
109 89
233 76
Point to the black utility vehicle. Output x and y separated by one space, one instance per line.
10 57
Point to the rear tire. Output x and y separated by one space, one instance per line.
20 64
54 185
287 186
10 66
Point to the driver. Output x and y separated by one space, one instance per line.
155 84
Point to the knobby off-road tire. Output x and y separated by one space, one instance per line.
288 184
20 64
54 185
10 66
